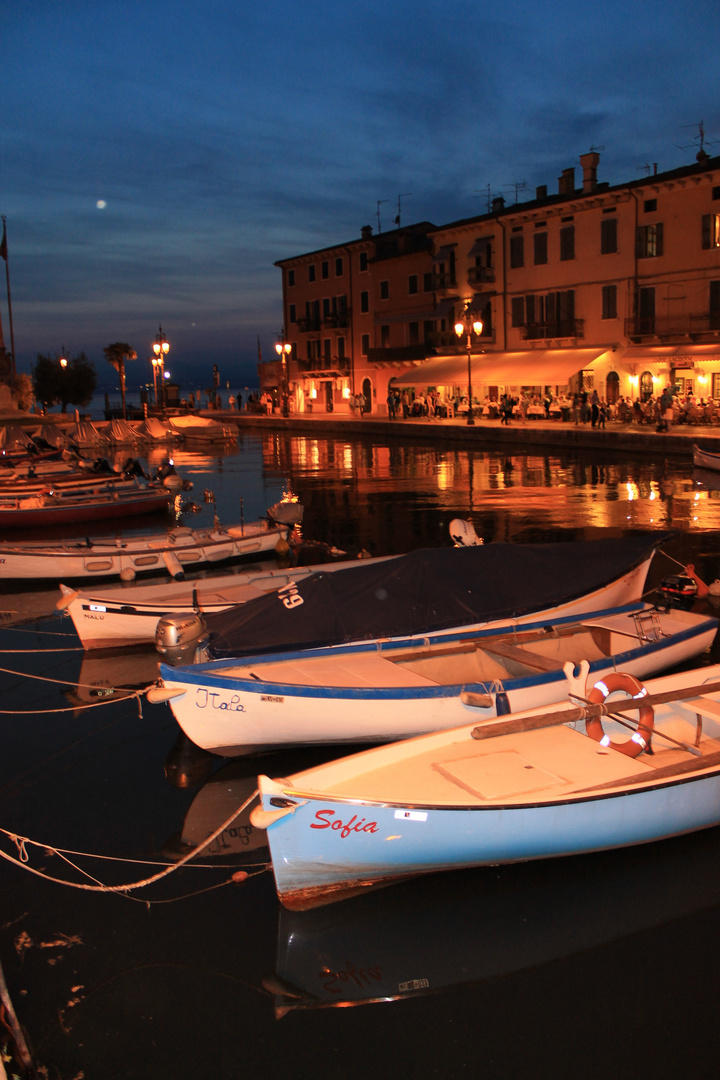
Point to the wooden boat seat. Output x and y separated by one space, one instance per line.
523 656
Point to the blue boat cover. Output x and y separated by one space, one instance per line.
425 591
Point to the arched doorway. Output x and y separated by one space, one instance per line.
367 394
612 388
646 386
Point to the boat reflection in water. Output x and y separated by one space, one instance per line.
454 931
108 673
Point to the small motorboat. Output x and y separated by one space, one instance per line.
385 690
705 459
99 503
559 780
175 552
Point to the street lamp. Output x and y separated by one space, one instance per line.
469 324
283 349
161 348
63 359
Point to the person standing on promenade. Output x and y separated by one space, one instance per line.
391 404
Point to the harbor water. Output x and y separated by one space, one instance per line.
594 966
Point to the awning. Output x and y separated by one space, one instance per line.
444 253
671 354
537 367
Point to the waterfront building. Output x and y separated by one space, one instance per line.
614 289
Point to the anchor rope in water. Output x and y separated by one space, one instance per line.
22 861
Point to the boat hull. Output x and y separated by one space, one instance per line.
232 710
178 551
71 510
448 801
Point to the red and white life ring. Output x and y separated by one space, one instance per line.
646 721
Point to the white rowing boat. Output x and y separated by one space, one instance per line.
551 782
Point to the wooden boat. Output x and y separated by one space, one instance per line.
52 507
65 476
176 551
530 786
385 690
441 589
704 459
118 616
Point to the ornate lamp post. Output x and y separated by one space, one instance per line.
469 324
161 348
63 359
283 349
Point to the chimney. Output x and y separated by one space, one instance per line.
366 232
589 164
541 192
498 204
566 182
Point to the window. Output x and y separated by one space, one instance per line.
384 290
384 336
413 284
292 313
413 333
650 205
365 344
364 302
711 230
326 350
291 278
341 348
567 243
646 311
428 282
339 267
325 269
311 272
609 302
517 252
649 241
714 310
608 236
363 261
540 248
517 308
326 307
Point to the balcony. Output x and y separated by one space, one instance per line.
308 326
323 365
447 340
480 275
336 321
444 281
561 328
684 326
401 353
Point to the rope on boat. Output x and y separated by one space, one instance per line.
23 857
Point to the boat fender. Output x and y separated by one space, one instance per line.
68 595
157 695
175 567
502 705
629 684
262 819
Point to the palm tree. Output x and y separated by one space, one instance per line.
116 355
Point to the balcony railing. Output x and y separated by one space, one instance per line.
448 339
561 328
441 282
684 325
401 353
479 275
337 321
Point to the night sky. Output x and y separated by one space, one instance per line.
157 158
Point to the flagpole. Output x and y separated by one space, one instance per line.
4 250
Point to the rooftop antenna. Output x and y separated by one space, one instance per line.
517 186
406 195
699 141
646 168
596 149
379 204
487 194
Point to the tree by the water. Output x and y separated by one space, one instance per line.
71 385
116 354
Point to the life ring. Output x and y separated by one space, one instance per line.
646 721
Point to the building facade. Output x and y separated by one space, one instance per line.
615 289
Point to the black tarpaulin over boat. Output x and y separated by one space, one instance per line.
425 591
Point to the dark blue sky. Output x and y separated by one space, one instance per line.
157 158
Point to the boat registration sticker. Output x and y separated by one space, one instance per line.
410 815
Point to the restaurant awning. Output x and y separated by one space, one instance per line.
537 367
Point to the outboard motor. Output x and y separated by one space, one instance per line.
678 591
182 638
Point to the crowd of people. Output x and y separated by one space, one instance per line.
583 407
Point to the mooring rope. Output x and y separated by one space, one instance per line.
22 861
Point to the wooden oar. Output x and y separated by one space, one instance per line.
514 724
